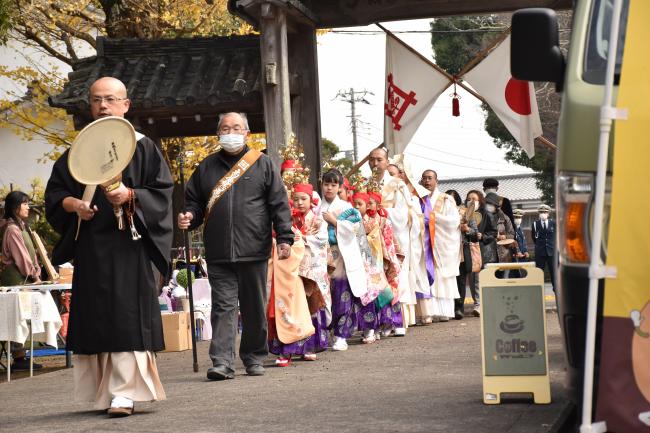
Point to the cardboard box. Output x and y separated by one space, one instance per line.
177 331
65 275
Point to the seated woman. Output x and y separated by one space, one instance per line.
18 263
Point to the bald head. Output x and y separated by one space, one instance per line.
108 98
429 179
115 85
378 160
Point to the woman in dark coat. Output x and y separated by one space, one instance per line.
476 228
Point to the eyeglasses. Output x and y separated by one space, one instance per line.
228 130
110 100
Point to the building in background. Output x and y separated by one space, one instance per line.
519 188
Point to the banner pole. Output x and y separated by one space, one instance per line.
458 80
484 53
359 164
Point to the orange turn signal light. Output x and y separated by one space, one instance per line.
575 242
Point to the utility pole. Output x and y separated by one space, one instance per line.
352 98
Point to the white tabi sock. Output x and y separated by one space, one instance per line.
119 401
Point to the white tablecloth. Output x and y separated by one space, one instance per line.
203 305
16 308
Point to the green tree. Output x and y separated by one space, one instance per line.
66 30
6 19
456 41
329 152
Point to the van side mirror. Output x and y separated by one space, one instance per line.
535 47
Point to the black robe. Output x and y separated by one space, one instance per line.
114 292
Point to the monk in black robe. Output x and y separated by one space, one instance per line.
115 323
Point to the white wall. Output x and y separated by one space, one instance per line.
19 160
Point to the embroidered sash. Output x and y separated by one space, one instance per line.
437 207
231 178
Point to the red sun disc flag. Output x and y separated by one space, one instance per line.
412 87
513 101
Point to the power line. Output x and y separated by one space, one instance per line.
352 98
450 163
445 152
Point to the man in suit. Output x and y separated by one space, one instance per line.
543 232
520 237
492 185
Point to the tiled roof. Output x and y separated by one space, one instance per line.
166 77
517 187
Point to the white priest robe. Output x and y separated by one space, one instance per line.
405 215
446 254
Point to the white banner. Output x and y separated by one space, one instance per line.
513 101
412 87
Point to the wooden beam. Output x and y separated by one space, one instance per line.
275 73
305 106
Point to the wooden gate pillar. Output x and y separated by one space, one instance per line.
275 82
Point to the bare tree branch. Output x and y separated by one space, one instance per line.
31 35
66 28
65 37
198 26
92 21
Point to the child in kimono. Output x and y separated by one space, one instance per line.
343 227
346 191
372 253
390 313
311 234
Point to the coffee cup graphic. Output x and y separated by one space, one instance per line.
512 324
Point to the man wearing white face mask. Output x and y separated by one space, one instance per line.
238 195
492 185
519 234
544 235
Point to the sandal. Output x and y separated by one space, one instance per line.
283 361
309 357
119 412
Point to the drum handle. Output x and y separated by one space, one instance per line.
89 192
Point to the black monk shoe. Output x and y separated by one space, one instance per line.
220 372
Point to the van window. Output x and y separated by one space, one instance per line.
595 62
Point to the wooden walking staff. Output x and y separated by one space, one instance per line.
188 258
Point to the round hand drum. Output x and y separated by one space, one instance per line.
101 151
99 154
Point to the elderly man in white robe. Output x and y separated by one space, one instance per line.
442 252
406 217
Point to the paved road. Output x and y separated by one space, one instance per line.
429 381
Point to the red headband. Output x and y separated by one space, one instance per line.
375 196
290 164
346 184
361 196
304 187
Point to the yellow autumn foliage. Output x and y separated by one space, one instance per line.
66 30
